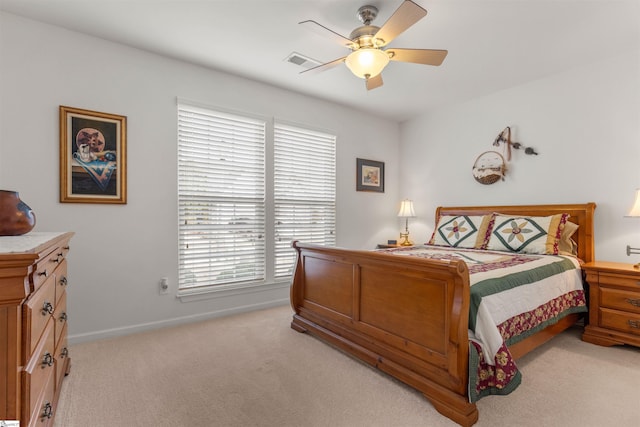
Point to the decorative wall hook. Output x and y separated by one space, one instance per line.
505 137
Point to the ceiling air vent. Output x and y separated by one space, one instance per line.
301 60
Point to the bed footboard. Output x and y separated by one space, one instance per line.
406 316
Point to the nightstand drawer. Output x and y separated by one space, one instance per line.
620 299
619 280
620 321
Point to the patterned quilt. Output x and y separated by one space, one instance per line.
513 296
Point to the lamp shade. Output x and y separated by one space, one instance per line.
406 209
367 62
635 209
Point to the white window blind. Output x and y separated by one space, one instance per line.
221 198
304 191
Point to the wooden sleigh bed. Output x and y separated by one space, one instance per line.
409 316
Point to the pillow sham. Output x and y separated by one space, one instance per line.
527 234
567 245
462 231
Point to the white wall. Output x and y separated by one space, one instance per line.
120 252
585 124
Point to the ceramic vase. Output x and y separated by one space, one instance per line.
16 217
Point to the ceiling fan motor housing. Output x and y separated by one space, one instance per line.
363 36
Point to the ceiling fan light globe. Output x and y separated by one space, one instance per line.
367 63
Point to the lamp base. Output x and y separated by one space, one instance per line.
404 237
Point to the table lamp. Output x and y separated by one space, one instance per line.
406 212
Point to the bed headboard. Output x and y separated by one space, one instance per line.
581 214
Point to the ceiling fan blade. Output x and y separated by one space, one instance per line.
417 56
324 67
326 32
374 82
405 16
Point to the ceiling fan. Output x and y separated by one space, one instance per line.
368 58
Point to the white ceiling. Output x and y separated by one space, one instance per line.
492 44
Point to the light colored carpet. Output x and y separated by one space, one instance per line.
254 370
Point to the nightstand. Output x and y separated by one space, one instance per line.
614 304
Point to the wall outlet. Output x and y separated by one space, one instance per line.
164 286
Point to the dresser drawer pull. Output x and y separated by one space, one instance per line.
64 353
63 316
47 360
47 308
633 302
63 281
47 411
634 323
43 273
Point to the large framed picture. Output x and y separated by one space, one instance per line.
369 175
93 157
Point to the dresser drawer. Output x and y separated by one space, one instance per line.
42 410
60 317
619 280
44 267
620 299
62 358
61 279
39 370
36 313
620 321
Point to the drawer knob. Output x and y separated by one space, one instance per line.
47 308
63 316
43 273
633 302
634 323
47 360
63 281
47 411
64 353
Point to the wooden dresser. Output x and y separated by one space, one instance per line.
614 303
33 326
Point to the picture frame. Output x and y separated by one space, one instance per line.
93 156
369 175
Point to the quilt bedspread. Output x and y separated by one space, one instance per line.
513 295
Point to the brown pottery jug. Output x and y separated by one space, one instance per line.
16 217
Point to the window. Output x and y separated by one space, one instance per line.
225 204
221 198
304 191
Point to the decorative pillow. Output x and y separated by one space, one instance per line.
567 245
527 234
462 231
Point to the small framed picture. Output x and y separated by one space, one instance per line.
93 157
369 175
